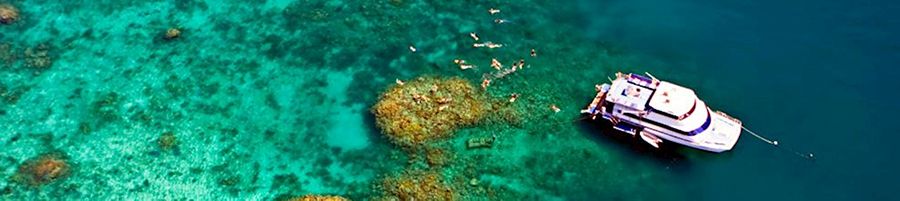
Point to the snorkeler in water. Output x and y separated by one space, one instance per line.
488 44
462 64
493 45
496 64
554 108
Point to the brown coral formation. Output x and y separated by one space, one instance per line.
436 157
43 170
319 198
7 55
172 33
418 186
8 14
167 141
428 108
38 57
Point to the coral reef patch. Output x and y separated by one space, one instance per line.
8 14
43 169
428 108
319 198
418 185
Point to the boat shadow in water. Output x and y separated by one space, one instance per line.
668 155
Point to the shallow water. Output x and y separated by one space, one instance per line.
271 99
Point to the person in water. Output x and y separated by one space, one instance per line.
462 64
496 64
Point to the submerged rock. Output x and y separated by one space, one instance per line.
43 169
8 14
172 33
481 142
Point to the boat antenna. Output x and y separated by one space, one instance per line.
808 156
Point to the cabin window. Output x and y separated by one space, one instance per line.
609 107
667 127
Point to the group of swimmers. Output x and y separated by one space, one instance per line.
496 63
486 81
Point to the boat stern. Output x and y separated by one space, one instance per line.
594 108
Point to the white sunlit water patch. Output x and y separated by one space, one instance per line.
347 129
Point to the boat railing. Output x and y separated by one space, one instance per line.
728 116
641 80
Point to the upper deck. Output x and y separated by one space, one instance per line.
674 100
631 90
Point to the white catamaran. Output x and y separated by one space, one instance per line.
656 110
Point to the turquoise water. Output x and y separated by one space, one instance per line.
270 99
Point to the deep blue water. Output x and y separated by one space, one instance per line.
820 76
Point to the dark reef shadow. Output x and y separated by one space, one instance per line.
667 156
372 130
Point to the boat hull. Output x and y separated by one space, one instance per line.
723 135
